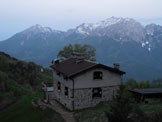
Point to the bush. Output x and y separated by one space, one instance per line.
138 115
120 108
1 97
132 84
156 117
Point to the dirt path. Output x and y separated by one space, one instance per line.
68 116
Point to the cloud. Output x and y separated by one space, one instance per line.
132 8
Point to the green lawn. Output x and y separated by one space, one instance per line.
23 111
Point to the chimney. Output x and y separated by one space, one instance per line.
78 56
116 66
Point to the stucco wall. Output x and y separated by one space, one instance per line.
68 83
86 80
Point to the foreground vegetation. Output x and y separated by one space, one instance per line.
20 83
19 79
121 109
23 111
97 114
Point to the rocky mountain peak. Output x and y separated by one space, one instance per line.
38 29
121 29
102 24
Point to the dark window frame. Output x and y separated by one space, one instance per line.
66 78
58 85
96 93
97 75
58 73
66 92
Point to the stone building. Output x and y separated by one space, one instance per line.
79 83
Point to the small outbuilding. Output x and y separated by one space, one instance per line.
147 95
48 90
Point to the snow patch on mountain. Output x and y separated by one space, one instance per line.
39 29
89 28
102 24
147 45
150 34
80 30
107 22
143 44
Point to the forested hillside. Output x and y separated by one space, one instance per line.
19 79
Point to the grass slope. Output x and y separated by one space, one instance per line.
23 111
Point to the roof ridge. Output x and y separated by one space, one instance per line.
91 61
70 69
82 70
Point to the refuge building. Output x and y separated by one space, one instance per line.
80 83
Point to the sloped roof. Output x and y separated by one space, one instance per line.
147 91
72 67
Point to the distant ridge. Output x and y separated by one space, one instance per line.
136 47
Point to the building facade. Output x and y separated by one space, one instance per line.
81 84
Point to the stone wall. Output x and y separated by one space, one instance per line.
62 98
83 97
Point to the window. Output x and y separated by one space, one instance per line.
59 86
66 91
58 73
66 78
97 75
96 93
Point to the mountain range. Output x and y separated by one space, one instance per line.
136 47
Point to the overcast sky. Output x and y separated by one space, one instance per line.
17 15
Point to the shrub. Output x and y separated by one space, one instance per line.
120 109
